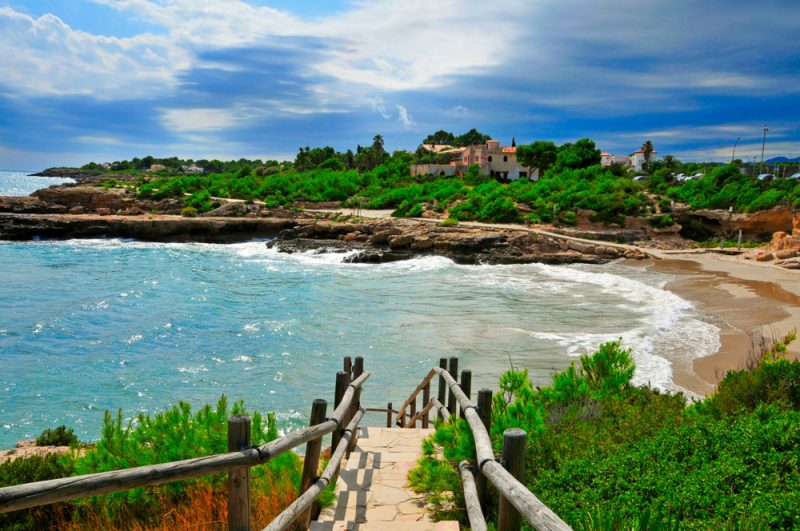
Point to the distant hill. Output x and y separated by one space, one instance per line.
776 160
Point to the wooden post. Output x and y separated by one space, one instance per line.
389 415
451 399
311 460
341 387
509 518
466 386
426 397
413 412
238 478
358 370
485 413
358 367
348 364
442 385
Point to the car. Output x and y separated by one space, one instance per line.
640 178
680 177
794 176
765 177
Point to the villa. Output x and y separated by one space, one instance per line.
492 159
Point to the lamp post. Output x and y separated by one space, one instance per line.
733 155
763 142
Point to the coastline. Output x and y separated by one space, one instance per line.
745 299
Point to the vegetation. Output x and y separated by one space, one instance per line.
604 454
172 435
60 436
571 179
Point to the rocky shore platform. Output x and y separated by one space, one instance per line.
80 211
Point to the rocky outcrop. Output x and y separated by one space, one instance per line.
754 226
153 228
391 240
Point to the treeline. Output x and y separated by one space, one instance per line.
605 454
571 179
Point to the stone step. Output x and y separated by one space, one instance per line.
371 491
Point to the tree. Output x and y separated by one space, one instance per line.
670 162
471 138
440 137
581 154
539 154
647 151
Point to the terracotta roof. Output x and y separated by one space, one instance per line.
509 149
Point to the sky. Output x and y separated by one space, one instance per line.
105 80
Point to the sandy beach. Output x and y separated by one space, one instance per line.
744 298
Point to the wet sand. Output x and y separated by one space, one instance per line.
746 300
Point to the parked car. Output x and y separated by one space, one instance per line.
794 176
680 177
766 177
640 178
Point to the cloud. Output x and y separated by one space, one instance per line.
403 117
379 106
45 56
458 110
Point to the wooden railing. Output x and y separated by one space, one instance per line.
237 462
507 475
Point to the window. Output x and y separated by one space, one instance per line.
490 158
505 158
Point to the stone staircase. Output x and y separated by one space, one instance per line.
371 492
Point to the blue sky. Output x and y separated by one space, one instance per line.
106 80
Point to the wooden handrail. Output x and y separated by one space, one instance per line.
304 502
413 396
535 512
64 489
476 520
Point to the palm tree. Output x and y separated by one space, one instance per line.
647 151
377 143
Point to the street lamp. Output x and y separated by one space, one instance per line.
763 142
733 155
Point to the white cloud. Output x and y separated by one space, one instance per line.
379 106
458 110
403 117
45 56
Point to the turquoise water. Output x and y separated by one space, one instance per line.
18 183
90 325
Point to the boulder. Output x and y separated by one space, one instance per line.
77 209
786 253
765 257
422 243
400 241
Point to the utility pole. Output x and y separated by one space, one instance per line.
763 142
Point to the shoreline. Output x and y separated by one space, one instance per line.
746 300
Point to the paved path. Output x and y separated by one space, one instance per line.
371 490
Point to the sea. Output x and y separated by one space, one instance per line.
88 326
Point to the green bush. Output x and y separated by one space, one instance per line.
28 470
60 436
188 212
449 222
604 454
662 221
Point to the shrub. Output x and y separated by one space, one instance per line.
662 221
568 218
189 212
60 436
28 470
449 222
